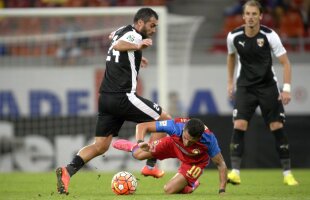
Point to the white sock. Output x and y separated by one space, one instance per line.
286 172
236 170
150 167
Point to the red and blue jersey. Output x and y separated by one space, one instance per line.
200 152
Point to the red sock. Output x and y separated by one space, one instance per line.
187 190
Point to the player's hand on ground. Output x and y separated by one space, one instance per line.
145 43
222 192
145 146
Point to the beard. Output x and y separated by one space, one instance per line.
143 32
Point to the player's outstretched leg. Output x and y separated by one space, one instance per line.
63 179
124 145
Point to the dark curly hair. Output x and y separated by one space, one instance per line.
145 14
195 127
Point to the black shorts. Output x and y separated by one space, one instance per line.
267 98
116 108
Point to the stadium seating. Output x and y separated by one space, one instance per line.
292 27
230 23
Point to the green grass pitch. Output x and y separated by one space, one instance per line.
256 184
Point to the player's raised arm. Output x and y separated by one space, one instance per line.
122 45
218 160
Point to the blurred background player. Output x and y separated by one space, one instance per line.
118 101
69 51
190 141
257 86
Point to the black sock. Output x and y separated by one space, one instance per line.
286 164
283 149
235 162
75 165
237 148
151 162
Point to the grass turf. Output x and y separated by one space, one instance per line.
256 184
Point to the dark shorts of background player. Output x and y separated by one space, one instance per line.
267 98
116 108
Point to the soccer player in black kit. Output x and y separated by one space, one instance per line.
256 85
118 101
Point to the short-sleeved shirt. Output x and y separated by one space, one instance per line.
118 101
255 66
122 67
198 153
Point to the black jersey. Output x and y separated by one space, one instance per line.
122 68
254 55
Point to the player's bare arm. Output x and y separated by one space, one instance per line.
143 128
287 73
218 160
122 45
231 58
145 43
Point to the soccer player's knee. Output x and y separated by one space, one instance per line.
275 126
168 189
241 124
165 116
100 149
168 117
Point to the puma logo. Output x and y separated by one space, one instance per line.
284 146
235 146
242 43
